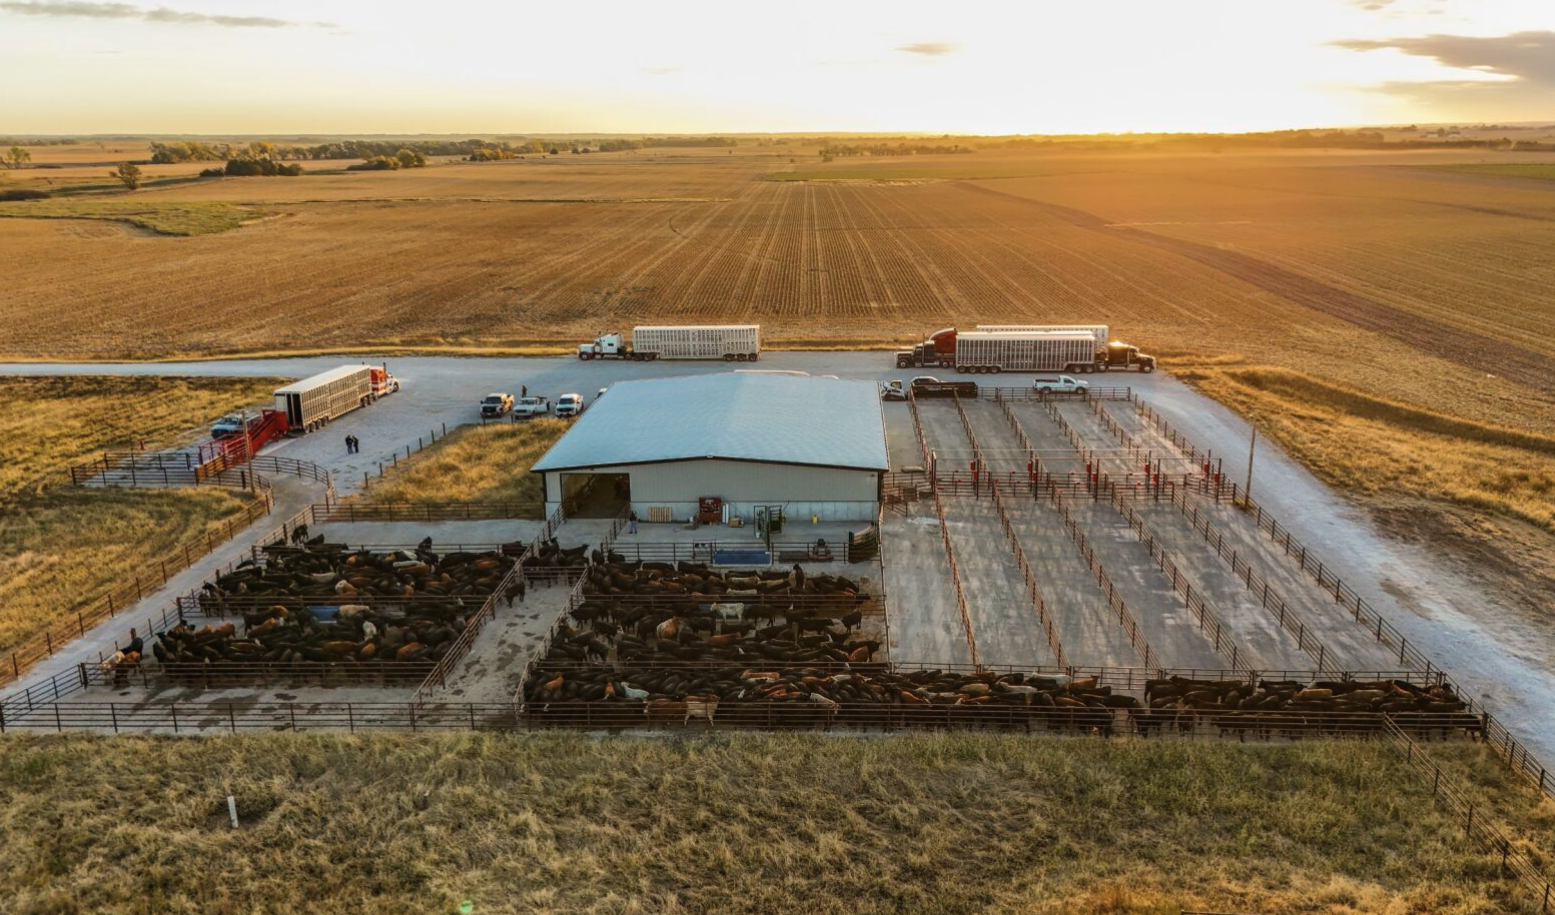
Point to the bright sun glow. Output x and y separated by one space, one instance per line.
214 66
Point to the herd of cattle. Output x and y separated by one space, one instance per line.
319 603
1290 708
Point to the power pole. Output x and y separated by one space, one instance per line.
1252 446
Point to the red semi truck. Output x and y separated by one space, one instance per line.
1025 348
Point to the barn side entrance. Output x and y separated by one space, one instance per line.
596 495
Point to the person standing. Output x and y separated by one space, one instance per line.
349 448
631 522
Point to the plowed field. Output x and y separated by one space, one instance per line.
1341 264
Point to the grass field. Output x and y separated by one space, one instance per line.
62 548
160 216
1543 171
927 824
475 464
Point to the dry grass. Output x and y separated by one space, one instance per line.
475 463
1371 446
755 824
63 548
52 422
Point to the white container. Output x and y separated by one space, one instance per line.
729 342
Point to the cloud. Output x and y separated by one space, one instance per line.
83 10
661 71
929 48
1523 56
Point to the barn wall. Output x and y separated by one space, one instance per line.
832 494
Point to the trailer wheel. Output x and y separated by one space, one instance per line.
755 356
997 369
961 369
728 357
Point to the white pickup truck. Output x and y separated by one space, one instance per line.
1059 384
531 406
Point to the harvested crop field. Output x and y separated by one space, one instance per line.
1302 260
944 823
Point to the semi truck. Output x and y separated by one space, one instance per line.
1025 348
311 403
729 342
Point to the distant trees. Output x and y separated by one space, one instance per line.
492 153
15 157
128 173
375 164
886 149
260 158
410 158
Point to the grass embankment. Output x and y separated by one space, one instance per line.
1377 447
63 548
475 464
1544 171
753 824
165 218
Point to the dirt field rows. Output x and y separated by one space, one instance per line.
1298 260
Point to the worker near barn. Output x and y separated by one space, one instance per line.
749 440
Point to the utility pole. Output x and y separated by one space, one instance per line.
1252 446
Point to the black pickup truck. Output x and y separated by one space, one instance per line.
929 386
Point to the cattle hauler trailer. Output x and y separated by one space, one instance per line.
729 342
312 402
1099 331
943 350
1024 351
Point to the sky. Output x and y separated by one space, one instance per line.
291 67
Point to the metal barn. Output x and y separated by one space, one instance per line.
755 441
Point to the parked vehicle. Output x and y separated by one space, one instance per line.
313 402
569 405
1031 347
729 342
893 390
227 435
1059 384
496 404
929 386
526 407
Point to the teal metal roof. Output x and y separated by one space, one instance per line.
741 416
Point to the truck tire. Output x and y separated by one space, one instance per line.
582 355
755 356
728 357
961 369
1103 366
1147 367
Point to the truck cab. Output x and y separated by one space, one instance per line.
1121 356
496 404
604 346
1059 384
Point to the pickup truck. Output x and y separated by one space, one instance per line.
1059 384
526 407
496 404
929 386
569 405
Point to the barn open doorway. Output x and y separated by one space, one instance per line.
596 495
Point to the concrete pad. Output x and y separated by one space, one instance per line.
945 436
1354 644
1087 627
493 670
1053 448
1169 626
1001 448
901 437
1005 625
1268 645
925 622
